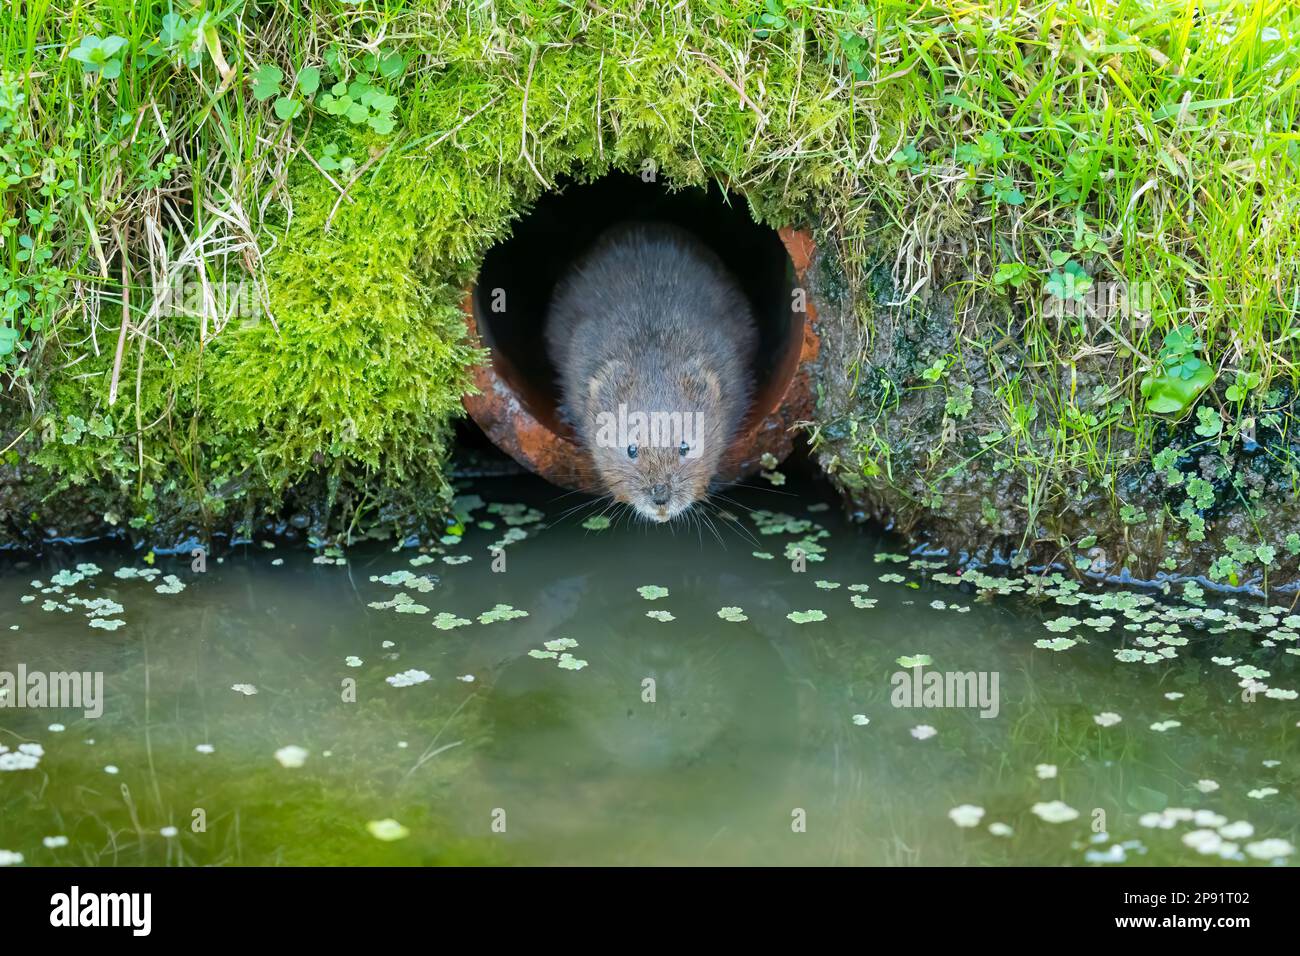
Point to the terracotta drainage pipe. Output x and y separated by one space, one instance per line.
522 421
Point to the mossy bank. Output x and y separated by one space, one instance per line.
1057 252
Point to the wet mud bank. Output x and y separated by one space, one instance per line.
911 424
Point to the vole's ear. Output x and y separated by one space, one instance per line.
602 382
700 382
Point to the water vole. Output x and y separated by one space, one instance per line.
652 339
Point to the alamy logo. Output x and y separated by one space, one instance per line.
103 909
1102 298
623 429
946 689
81 690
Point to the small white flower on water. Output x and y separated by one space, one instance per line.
966 815
353 661
18 760
1262 792
111 770
168 832
248 690
408 678
54 842
291 756
57 728
1237 831
402 745
1203 841
1267 763
1166 818
861 720
205 748
1054 812
387 830
1173 695
467 678
1269 849
388 644
923 731
1160 726
1046 771
1001 829
1207 786
1106 719
1115 854
10 858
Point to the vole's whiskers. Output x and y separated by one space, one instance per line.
736 524
766 488
703 518
731 501
583 504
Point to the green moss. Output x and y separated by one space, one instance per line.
361 357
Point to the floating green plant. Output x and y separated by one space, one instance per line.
446 621
501 612
908 661
806 617
1056 644
570 663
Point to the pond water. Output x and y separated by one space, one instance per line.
285 706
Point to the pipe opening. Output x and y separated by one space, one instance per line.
518 276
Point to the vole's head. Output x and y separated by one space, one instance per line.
657 434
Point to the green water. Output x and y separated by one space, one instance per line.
692 740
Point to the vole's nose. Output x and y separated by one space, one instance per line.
659 494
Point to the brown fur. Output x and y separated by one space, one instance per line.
650 319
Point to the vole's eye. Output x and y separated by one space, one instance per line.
683 448
631 451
